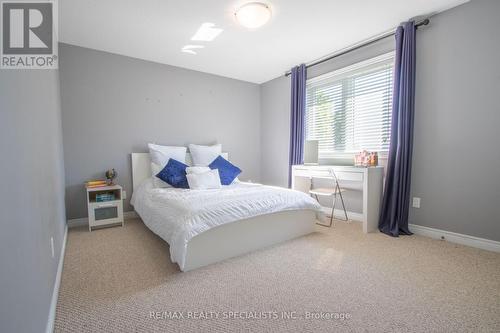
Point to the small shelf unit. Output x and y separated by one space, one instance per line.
105 206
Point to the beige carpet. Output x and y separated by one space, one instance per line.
114 278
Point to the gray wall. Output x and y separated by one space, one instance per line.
275 131
113 105
456 121
31 196
456 162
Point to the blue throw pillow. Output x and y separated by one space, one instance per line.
174 173
227 171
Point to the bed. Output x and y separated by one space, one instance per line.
206 226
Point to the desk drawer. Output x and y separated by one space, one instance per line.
341 175
310 173
352 176
319 173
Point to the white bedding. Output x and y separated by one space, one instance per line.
178 215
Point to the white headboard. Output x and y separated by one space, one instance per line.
141 166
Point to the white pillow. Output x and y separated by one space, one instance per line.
204 155
197 169
157 182
161 154
204 181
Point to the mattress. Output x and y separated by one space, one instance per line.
178 215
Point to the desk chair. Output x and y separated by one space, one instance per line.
329 192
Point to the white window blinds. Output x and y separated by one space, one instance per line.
349 110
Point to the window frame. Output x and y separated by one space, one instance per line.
344 71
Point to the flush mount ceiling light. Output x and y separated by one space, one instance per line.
191 48
253 15
206 32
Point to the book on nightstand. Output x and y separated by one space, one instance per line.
95 183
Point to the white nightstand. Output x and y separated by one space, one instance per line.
103 213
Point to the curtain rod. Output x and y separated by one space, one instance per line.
359 45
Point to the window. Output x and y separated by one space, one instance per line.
349 110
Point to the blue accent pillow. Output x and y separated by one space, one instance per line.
227 171
174 173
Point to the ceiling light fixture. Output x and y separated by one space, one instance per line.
206 32
190 48
253 15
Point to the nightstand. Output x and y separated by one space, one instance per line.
105 206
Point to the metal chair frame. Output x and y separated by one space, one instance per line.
337 190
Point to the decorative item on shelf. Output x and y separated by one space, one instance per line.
366 159
96 183
374 159
111 175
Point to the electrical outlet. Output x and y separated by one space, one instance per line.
52 246
124 194
416 202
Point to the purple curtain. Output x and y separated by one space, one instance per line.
297 118
396 201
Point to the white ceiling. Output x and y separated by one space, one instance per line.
299 31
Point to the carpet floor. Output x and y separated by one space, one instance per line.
338 279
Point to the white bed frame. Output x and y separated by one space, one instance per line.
237 238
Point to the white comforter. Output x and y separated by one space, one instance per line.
177 215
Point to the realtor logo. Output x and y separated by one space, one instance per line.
28 39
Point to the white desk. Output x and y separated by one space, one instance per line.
370 181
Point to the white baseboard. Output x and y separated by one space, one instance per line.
77 222
339 213
453 237
84 221
57 283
